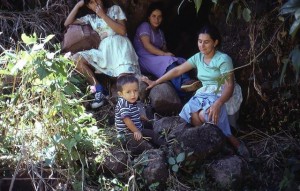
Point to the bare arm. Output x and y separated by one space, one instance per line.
130 125
177 71
117 25
71 17
152 49
214 110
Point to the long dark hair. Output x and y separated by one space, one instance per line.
212 31
106 3
152 7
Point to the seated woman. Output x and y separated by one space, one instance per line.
115 54
154 58
213 102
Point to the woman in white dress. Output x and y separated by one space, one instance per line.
115 54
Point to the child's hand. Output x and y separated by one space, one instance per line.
144 118
137 135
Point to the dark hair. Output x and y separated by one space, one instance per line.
212 31
125 79
152 7
106 3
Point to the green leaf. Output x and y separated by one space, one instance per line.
285 63
295 58
57 138
247 14
180 157
230 10
70 89
69 143
290 7
171 161
29 39
42 72
190 153
294 28
197 4
49 37
297 13
175 168
5 72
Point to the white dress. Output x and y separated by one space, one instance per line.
115 54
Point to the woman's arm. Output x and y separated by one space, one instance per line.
152 49
117 25
177 71
214 110
71 17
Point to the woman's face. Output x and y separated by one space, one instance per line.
155 18
93 3
206 44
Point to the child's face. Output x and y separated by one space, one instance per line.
130 92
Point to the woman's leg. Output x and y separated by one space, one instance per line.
195 119
83 67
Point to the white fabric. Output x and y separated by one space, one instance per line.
115 54
233 104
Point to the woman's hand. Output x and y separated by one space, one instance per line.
150 83
214 112
168 54
99 10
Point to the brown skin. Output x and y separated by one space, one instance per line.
82 66
155 20
206 46
130 92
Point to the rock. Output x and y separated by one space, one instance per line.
164 99
227 173
116 162
152 164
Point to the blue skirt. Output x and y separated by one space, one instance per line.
202 101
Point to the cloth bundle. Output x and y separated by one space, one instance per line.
79 37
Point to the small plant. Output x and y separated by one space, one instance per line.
176 161
42 117
292 7
242 10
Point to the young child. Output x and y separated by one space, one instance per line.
127 113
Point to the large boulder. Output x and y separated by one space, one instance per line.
195 143
116 162
153 168
227 172
164 99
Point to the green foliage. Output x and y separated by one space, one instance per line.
197 3
292 7
175 162
111 184
294 60
41 114
242 10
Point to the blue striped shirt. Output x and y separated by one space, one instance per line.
125 109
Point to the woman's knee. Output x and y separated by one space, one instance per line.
79 61
195 119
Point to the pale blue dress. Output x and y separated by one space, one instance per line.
210 91
115 54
